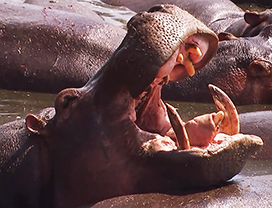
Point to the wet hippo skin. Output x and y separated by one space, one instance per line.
259 123
68 6
46 64
242 191
220 16
258 2
114 136
47 50
241 67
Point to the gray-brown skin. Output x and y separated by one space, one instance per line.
263 3
259 123
47 50
61 53
93 144
241 67
242 191
220 16
25 165
67 5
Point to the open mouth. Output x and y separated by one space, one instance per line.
170 131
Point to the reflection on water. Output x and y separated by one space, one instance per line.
116 15
257 168
15 105
190 110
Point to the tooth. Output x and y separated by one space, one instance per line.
230 123
218 118
189 66
193 48
178 126
180 58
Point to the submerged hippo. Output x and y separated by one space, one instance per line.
220 16
67 5
115 136
259 123
244 192
47 50
242 67
258 2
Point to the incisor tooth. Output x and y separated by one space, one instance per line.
218 118
180 58
194 49
189 66
178 126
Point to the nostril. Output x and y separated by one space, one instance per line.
156 8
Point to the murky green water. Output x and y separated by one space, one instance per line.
16 105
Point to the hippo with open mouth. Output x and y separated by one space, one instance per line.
115 136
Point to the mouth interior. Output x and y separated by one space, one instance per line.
154 116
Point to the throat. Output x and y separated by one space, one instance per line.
152 116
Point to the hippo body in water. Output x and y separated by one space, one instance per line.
220 16
242 191
245 77
115 136
259 123
57 49
47 50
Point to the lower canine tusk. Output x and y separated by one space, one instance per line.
178 126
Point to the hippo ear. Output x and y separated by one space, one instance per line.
34 124
260 68
64 101
253 18
226 36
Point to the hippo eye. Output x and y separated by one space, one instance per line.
67 99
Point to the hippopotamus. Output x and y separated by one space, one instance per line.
47 50
257 2
220 16
62 54
259 123
73 6
245 191
246 78
115 136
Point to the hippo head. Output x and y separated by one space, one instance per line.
115 136
257 21
247 78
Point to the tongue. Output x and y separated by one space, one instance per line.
201 130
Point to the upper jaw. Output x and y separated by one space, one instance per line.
170 132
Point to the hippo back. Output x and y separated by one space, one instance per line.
24 167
